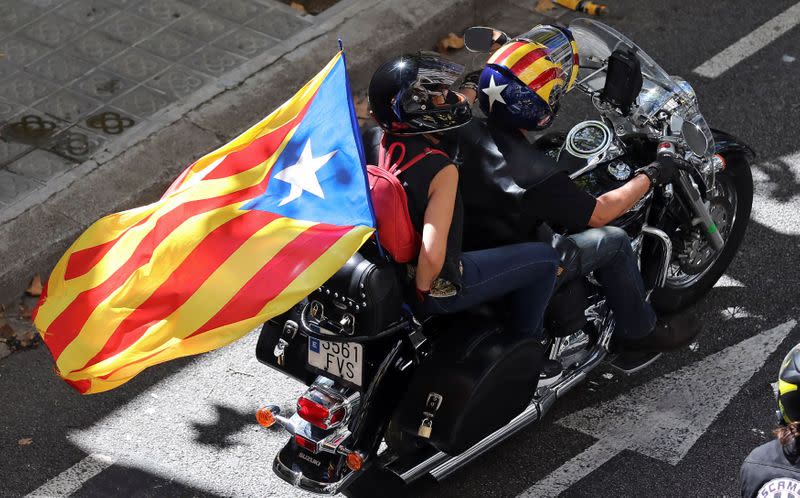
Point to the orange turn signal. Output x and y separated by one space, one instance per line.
265 417
355 461
721 162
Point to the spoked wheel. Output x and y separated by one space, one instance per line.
695 265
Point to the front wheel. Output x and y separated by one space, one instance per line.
695 266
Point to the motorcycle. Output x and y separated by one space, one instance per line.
392 400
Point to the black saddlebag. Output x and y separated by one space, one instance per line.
363 298
476 379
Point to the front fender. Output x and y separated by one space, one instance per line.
726 144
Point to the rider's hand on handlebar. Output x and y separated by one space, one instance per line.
663 169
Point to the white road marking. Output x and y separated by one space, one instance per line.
197 427
776 196
728 281
71 480
750 44
663 418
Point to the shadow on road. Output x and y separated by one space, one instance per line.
136 483
218 433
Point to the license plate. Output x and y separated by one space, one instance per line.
340 359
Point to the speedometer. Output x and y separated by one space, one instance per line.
588 139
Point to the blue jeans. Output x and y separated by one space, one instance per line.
525 273
607 252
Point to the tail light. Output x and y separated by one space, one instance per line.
322 408
306 443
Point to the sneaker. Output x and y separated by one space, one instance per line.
669 334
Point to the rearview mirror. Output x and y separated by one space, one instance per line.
481 38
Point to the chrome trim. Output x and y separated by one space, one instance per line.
298 480
667 247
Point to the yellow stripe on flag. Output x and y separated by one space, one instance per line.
323 267
212 295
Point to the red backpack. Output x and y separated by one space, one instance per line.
389 200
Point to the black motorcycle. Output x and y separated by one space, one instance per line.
391 400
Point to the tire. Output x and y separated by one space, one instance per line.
668 299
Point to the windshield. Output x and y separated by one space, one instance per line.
660 91
596 41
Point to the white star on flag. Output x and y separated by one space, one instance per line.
495 93
302 175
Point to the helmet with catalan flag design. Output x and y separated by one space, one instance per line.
524 80
788 384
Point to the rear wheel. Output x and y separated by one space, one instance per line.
695 266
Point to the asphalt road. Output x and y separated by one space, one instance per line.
187 428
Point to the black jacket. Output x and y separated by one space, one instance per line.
771 470
498 168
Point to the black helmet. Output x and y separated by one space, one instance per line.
410 94
788 384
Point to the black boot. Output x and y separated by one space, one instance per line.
669 334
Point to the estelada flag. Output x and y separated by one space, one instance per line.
242 235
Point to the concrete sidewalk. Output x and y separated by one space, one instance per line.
105 102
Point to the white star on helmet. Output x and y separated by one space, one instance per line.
495 93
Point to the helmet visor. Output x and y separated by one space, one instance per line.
436 71
559 47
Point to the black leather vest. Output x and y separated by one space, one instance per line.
498 167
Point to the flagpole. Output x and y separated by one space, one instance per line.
359 146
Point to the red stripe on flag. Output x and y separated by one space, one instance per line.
500 59
527 60
42 299
80 262
256 152
80 385
68 324
276 275
544 78
184 281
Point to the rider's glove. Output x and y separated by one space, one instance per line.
660 172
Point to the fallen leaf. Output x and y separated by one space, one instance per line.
543 6
6 332
25 312
25 441
451 41
35 289
299 7
26 338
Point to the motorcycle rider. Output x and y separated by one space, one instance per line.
773 469
512 189
410 98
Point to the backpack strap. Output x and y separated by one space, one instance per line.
419 157
385 156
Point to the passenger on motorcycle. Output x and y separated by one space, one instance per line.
512 189
773 469
410 98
